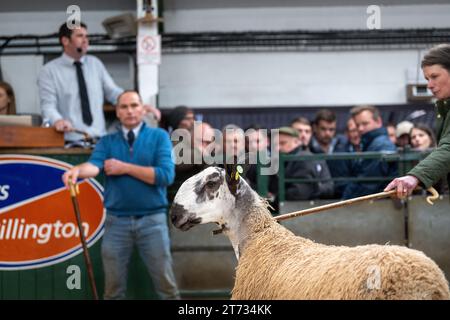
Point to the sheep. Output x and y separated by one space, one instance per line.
273 263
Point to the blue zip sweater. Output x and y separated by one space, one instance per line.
126 195
377 141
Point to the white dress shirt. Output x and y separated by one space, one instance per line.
60 98
135 130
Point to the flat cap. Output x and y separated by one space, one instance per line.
289 131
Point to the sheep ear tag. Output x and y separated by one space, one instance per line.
234 172
237 167
238 172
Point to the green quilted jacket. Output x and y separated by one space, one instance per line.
437 165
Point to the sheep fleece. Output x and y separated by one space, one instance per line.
276 264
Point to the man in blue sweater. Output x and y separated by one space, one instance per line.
374 138
138 167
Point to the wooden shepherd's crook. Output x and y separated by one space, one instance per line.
430 199
74 190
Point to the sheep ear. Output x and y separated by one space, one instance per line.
236 168
231 169
232 174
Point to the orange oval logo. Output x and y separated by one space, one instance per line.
37 220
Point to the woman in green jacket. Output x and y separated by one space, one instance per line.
436 69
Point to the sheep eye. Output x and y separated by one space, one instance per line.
210 184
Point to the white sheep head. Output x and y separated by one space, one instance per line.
209 196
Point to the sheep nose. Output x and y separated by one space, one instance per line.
176 213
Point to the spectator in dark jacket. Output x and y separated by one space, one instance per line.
390 127
289 143
344 168
402 131
374 138
324 138
304 128
180 117
353 137
257 148
326 141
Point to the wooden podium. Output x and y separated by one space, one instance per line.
30 137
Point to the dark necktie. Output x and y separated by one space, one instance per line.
85 107
130 136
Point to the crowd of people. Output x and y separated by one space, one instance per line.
364 133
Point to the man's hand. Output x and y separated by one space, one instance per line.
63 125
114 167
151 109
404 185
71 175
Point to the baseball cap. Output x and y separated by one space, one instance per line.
403 127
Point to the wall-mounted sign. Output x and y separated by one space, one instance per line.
37 221
149 49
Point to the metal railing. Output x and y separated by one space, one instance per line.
405 159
